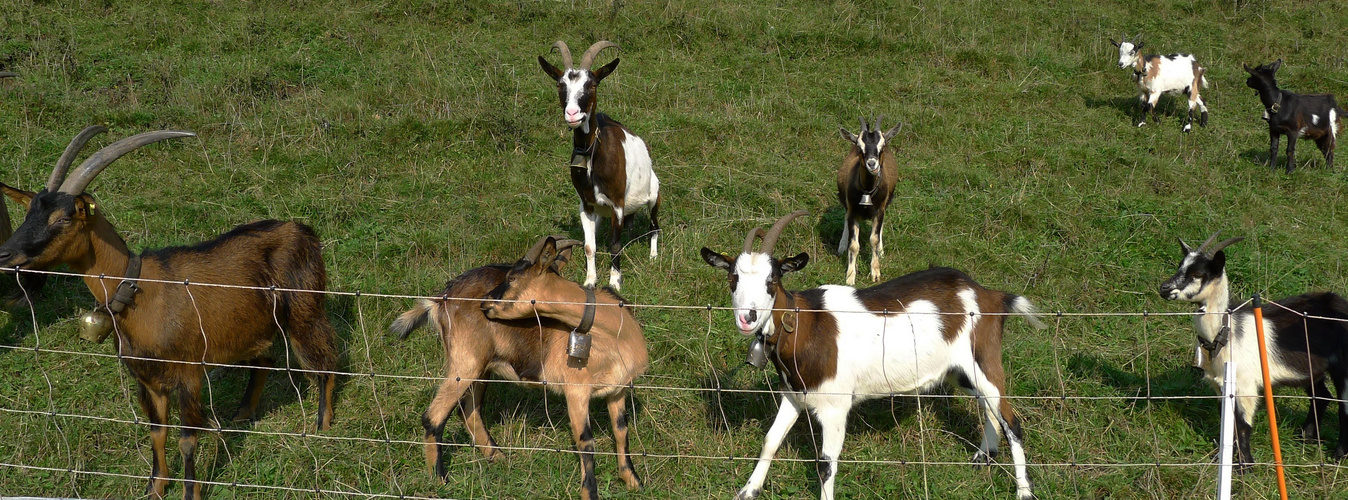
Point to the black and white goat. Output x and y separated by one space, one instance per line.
610 166
866 181
1156 75
1313 116
836 345
1302 350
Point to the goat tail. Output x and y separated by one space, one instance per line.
1203 77
412 319
1022 306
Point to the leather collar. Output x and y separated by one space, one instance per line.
587 318
127 289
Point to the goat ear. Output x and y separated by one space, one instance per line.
1111 40
1138 46
717 260
548 254
604 70
1276 64
890 135
85 204
792 264
18 195
1248 69
1184 247
847 136
563 257
548 68
1217 263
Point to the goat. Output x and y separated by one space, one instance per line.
611 167
515 321
836 345
29 283
866 181
1313 116
1155 75
165 331
1306 337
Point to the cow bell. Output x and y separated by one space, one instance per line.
95 326
758 353
579 347
865 200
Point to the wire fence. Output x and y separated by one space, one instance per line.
60 412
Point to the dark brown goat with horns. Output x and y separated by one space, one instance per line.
167 333
866 181
515 321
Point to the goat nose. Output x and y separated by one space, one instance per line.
752 316
5 255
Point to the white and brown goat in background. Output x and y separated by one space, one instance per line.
866 181
611 167
836 346
515 321
1156 75
1306 337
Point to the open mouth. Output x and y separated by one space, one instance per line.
745 328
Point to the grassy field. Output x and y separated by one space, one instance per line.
421 140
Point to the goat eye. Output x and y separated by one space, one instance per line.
63 221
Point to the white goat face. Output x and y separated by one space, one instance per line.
1197 273
755 281
576 89
1128 54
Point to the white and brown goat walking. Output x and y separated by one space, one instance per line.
515 321
1156 75
611 167
836 346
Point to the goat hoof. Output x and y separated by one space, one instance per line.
1310 434
982 459
1340 452
747 494
1242 468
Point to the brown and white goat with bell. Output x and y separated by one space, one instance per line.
611 167
1306 337
520 322
836 346
1156 75
166 330
866 181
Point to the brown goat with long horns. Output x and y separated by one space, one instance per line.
516 321
866 181
168 333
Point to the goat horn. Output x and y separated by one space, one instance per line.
588 58
566 53
1208 242
1225 243
749 240
58 174
8 74
863 125
96 162
537 249
770 240
877 126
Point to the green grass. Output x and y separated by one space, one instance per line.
420 139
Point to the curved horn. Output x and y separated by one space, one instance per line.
749 240
1225 243
588 58
566 53
58 174
8 74
96 162
770 240
1208 242
534 251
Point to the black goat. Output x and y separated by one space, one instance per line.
1313 116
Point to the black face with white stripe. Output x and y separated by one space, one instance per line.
1196 272
871 143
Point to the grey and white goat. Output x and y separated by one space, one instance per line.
1306 337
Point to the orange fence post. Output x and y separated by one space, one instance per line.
1268 396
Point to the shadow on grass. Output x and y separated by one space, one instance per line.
1201 415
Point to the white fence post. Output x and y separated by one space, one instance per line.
1228 431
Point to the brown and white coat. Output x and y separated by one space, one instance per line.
1156 75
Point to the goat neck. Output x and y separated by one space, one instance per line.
566 304
1213 311
108 256
584 141
783 312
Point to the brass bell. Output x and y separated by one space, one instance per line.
95 326
579 347
758 353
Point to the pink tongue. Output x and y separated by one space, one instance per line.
744 327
